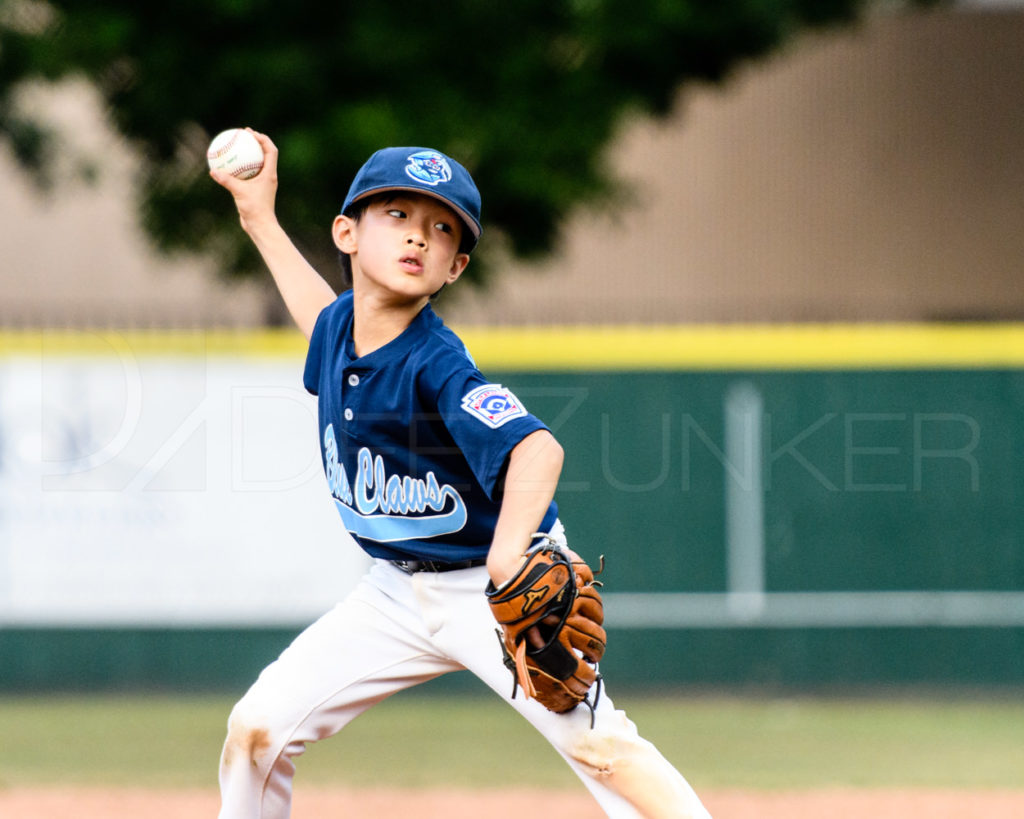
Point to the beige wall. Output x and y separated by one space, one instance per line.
874 173
76 256
870 173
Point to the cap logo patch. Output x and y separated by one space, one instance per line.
493 405
429 168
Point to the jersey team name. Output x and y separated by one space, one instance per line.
390 508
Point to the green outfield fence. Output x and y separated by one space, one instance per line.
798 507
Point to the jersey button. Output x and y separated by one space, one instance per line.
349 415
353 380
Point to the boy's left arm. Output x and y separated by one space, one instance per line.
545 602
534 466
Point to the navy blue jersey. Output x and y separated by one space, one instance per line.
414 439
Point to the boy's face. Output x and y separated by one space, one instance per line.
406 245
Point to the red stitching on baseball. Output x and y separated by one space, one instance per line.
252 166
224 148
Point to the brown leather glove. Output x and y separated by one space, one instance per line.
552 633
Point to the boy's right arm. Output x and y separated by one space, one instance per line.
304 291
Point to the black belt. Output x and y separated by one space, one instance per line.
413 566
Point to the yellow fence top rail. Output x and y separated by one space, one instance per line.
681 347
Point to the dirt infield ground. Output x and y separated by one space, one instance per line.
98 803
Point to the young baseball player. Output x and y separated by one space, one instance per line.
441 476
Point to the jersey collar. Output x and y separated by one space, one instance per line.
395 349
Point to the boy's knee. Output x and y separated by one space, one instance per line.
610 753
248 741
615 755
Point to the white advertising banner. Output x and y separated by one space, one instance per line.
164 490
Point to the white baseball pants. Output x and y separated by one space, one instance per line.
396 630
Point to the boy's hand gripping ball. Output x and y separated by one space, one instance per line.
236 152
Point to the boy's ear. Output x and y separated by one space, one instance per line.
344 234
458 267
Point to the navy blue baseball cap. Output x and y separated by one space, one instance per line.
425 171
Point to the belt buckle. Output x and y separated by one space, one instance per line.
414 566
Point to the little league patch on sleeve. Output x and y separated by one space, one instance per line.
493 405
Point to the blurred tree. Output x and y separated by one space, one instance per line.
527 94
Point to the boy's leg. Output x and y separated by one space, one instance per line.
366 648
626 774
612 756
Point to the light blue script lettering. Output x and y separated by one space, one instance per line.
388 508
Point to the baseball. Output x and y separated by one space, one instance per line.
237 152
